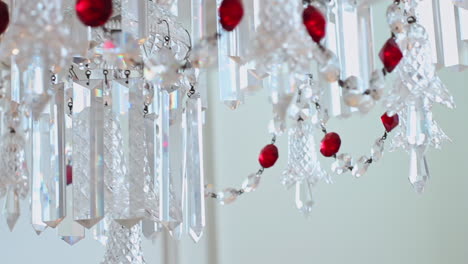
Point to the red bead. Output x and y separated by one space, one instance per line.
390 55
315 23
4 17
94 13
390 122
268 156
230 14
330 145
69 174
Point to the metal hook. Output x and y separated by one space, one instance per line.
168 37
189 46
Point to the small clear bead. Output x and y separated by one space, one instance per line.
366 104
361 166
396 18
331 70
352 83
353 99
377 150
342 163
251 183
227 196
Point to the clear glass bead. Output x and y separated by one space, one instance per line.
377 150
396 18
377 84
366 104
342 163
227 196
361 166
330 71
251 183
353 99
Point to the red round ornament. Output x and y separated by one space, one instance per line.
390 122
268 156
315 23
4 17
390 55
330 145
230 14
94 13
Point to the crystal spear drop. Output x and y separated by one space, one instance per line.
193 167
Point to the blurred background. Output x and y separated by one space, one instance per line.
375 219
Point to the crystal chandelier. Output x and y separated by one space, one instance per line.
103 102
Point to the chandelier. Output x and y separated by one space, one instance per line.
103 103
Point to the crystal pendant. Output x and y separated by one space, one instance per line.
251 183
304 198
418 172
303 163
11 210
88 151
193 167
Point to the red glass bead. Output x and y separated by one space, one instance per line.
69 174
230 14
390 122
330 145
268 156
4 17
315 23
390 55
94 13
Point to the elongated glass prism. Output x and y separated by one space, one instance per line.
88 149
49 155
128 106
193 167
170 214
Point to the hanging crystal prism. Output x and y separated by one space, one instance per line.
88 150
170 214
11 209
442 22
129 192
193 167
229 67
151 229
48 159
123 245
304 198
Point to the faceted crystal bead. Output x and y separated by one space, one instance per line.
361 166
343 163
227 196
251 183
390 55
268 156
314 22
330 144
230 14
390 122
396 18
377 84
94 13
353 99
366 104
4 17
330 71
377 150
